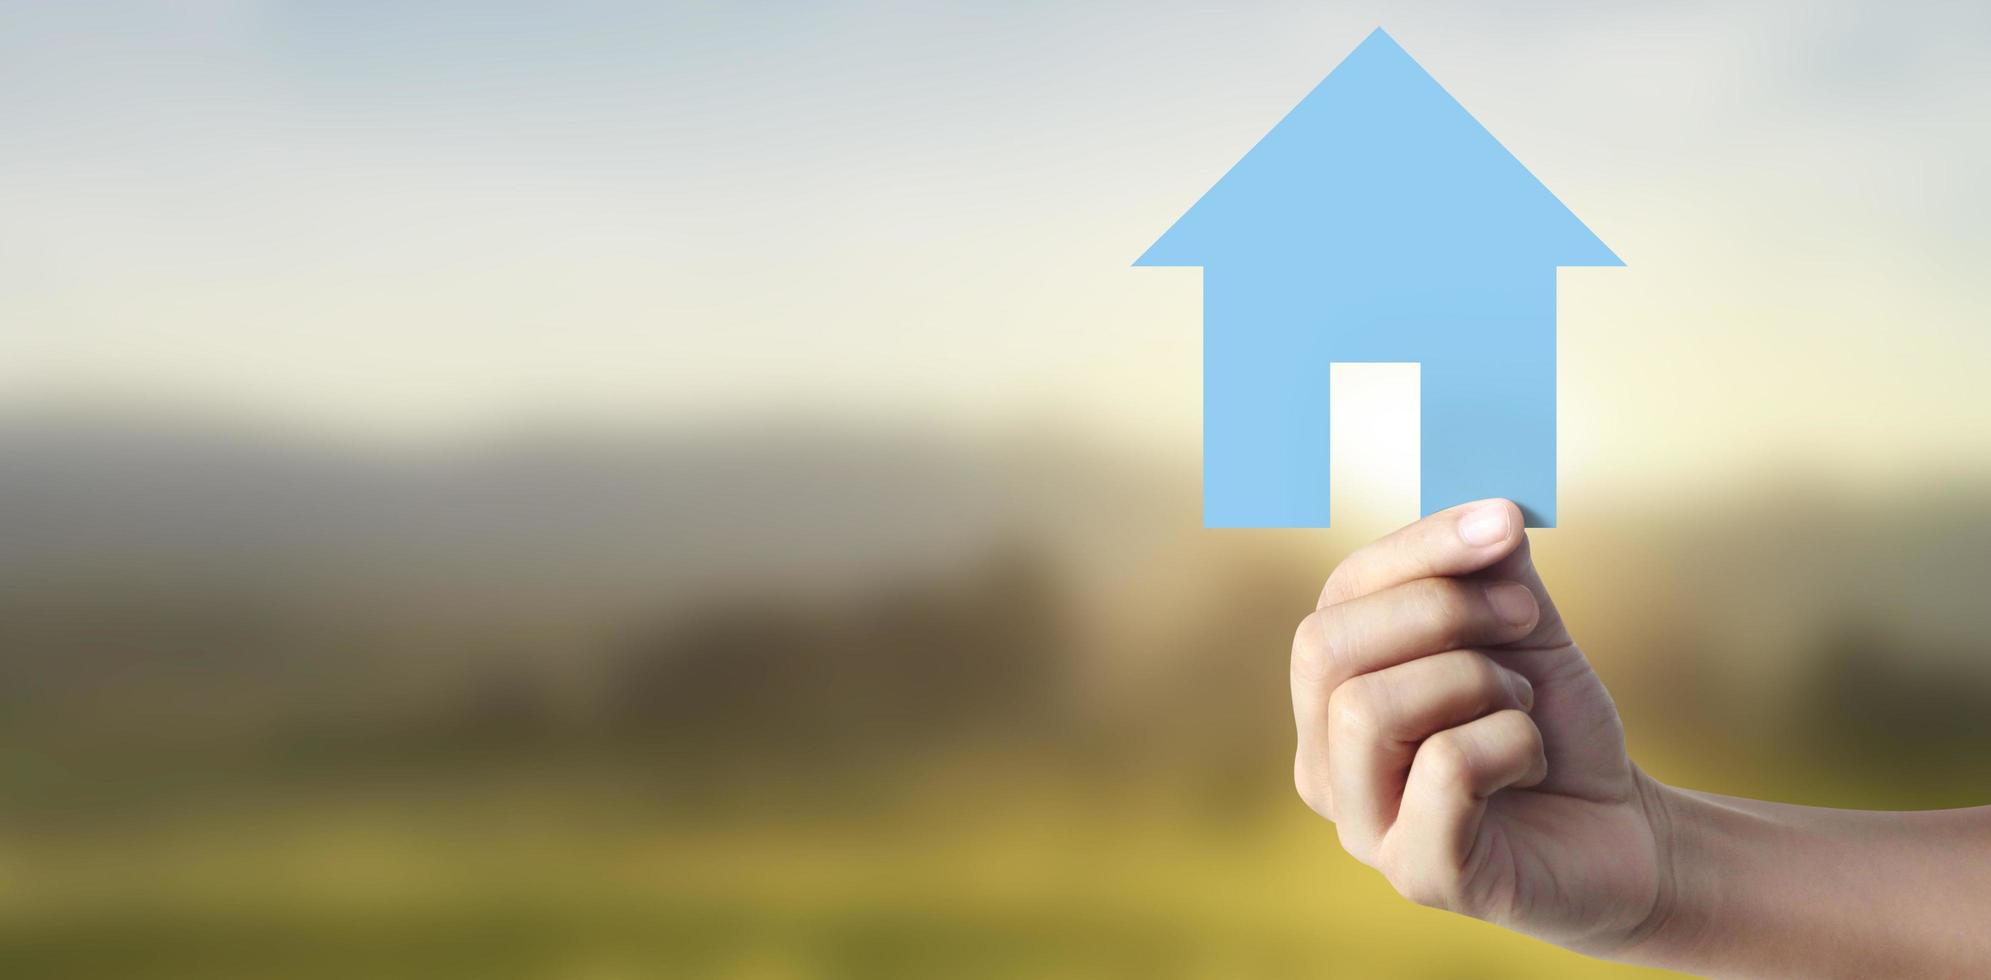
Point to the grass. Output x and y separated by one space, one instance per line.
582 879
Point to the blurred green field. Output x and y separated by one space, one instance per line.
577 881
567 713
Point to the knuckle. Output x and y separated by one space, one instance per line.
1420 881
1312 789
1430 889
1444 603
1311 651
1515 724
1526 724
1479 673
1342 584
1357 847
1352 712
1447 759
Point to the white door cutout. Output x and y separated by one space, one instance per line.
1374 438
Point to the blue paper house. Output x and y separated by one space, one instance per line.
1378 221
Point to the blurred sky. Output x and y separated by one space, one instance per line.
425 220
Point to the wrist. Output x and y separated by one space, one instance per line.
1688 839
1748 888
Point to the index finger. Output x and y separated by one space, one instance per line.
1455 541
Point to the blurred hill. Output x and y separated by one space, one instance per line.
239 592
659 516
847 701
234 589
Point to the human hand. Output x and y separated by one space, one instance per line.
1462 745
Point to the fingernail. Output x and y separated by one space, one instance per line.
1512 602
1523 691
1485 526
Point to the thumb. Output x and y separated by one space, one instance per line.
1519 566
